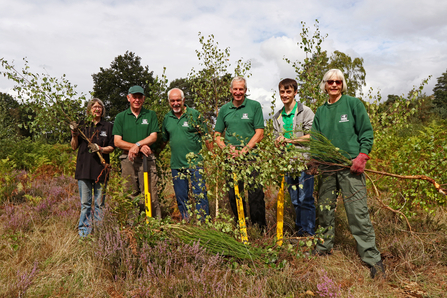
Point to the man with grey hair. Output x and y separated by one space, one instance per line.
183 127
243 123
135 130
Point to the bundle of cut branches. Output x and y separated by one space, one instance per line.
326 155
217 242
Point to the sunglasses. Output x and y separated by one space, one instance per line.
338 82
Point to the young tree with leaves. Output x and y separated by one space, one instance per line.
53 102
353 70
311 70
210 90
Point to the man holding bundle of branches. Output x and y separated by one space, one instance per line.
243 123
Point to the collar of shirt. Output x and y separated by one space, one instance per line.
142 111
284 114
242 105
185 112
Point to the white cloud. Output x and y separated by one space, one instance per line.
401 42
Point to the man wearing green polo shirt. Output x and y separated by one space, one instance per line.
291 125
135 130
184 128
243 123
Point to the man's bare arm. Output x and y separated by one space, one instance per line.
133 148
218 139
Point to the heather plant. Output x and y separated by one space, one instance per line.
113 249
17 218
166 271
42 200
327 287
23 282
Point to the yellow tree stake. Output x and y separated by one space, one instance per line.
240 211
147 192
280 214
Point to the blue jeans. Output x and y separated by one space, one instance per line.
85 191
303 202
181 188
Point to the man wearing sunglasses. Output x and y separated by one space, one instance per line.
135 130
344 121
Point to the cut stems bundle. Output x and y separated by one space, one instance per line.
326 155
216 242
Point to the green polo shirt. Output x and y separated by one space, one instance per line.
185 136
133 129
287 120
346 124
239 122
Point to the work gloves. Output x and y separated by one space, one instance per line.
73 128
359 163
73 125
93 147
312 167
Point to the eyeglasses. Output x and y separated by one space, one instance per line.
338 82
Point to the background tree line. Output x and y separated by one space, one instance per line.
207 89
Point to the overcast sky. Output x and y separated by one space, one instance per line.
401 42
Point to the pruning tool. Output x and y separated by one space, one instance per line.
240 211
147 192
280 214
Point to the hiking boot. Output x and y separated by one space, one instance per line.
378 270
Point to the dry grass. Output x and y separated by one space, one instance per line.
66 266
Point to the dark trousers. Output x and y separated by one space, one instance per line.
255 201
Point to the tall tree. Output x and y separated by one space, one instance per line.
310 71
211 85
440 94
352 69
111 84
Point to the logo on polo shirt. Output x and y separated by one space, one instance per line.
144 121
103 133
244 116
185 124
344 118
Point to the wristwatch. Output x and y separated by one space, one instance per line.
138 144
